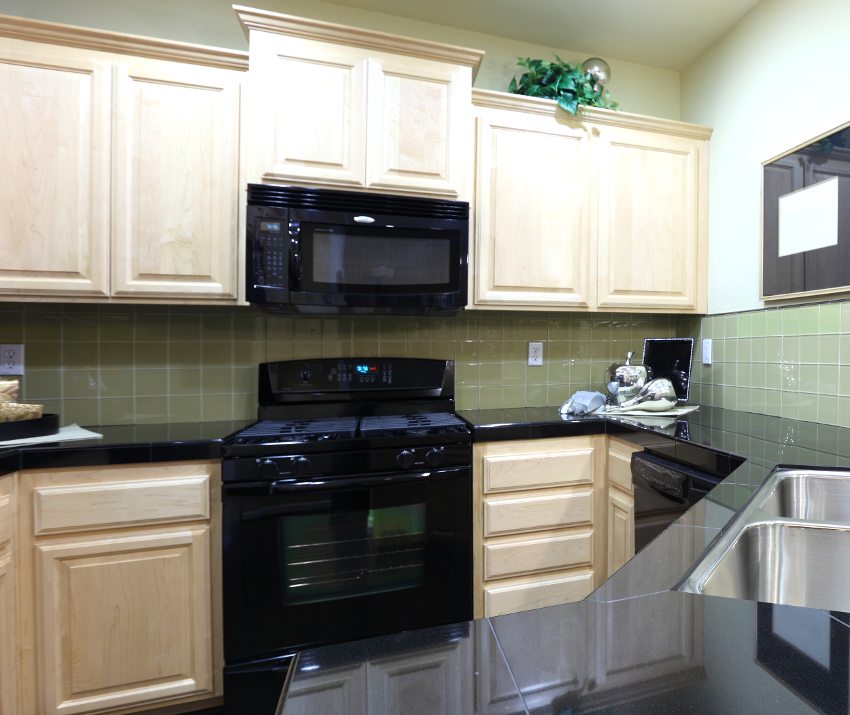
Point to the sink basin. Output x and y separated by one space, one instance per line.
789 544
811 496
782 562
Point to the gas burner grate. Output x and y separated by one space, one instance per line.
422 423
298 430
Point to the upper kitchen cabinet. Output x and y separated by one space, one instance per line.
607 211
534 225
54 120
121 166
652 213
175 179
336 106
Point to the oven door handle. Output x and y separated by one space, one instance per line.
302 485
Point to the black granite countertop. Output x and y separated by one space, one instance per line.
125 445
632 646
659 653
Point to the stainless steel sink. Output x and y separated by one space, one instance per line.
789 544
810 496
780 562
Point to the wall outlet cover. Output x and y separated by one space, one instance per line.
11 359
535 353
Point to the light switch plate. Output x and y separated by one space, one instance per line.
706 351
535 353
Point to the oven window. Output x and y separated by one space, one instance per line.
394 259
344 554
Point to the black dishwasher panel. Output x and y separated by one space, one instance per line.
663 491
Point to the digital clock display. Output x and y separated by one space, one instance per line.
366 369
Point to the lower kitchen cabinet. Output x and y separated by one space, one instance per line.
663 650
120 587
621 504
386 685
538 525
8 622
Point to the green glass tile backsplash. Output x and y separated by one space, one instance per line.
114 364
787 362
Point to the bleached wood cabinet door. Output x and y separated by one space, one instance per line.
621 528
175 180
652 220
338 106
417 125
125 618
119 586
8 603
444 673
620 515
54 183
305 111
534 242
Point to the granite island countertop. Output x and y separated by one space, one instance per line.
633 645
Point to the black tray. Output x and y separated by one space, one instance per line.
21 429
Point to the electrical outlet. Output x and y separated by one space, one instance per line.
11 359
535 353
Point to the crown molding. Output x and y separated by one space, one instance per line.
266 21
594 115
23 28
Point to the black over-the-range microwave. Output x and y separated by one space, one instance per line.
327 251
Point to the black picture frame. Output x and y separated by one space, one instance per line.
671 358
826 688
821 270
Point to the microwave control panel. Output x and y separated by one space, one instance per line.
270 252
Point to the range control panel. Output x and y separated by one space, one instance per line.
340 375
346 373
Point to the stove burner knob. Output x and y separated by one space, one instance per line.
434 457
305 374
301 466
405 458
268 469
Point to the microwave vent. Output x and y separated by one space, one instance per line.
332 200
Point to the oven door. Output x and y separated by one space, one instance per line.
307 563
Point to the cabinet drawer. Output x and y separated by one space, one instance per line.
535 470
550 553
506 516
5 519
78 507
537 593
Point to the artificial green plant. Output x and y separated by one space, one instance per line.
560 81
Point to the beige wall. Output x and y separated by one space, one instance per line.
638 88
777 79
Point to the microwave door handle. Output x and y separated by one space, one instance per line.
294 264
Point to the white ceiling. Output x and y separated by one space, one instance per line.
662 33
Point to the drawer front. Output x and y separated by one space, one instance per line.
80 507
538 593
5 519
537 470
620 465
510 516
515 558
